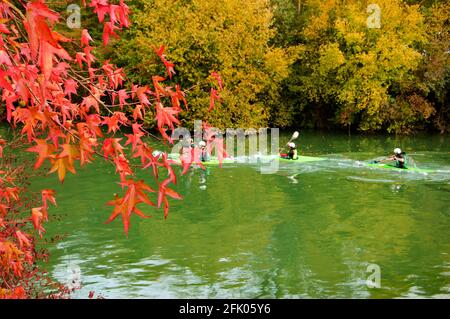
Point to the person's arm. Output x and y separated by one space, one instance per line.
387 159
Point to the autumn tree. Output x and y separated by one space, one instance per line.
349 73
231 37
69 106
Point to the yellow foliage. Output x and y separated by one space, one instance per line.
230 37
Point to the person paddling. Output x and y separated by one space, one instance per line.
399 157
204 156
292 154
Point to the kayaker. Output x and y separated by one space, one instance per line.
399 157
204 156
292 154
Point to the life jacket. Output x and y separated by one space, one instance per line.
399 163
204 156
293 154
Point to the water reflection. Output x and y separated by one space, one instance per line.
308 231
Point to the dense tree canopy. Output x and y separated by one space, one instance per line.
392 78
230 37
302 63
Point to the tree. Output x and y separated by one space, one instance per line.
230 37
69 106
371 78
432 81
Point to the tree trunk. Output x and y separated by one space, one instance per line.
299 6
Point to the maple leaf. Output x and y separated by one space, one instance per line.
30 116
111 147
136 191
87 145
114 121
135 138
108 30
85 37
71 152
4 29
180 95
93 122
165 191
80 58
212 98
88 102
65 161
122 166
3 83
122 97
47 195
36 218
47 51
101 8
147 159
23 239
218 78
36 26
166 116
167 164
70 87
159 90
44 151
139 112
169 65
4 58
9 193
125 206
61 165
89 57
141 94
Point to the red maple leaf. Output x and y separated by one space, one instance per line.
218 78
125 206
212 98
43 149
165 191
169 65
85 37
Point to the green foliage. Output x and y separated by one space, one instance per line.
230 37
298 63
390 78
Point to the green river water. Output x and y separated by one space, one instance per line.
307 231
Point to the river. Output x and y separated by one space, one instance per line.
310 230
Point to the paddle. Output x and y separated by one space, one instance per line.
384 160
294 136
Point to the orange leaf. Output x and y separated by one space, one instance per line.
61 165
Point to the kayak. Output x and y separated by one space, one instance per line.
259 159
395 168
302 159
212 161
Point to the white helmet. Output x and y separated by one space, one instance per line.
201 143
397 151
291 144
